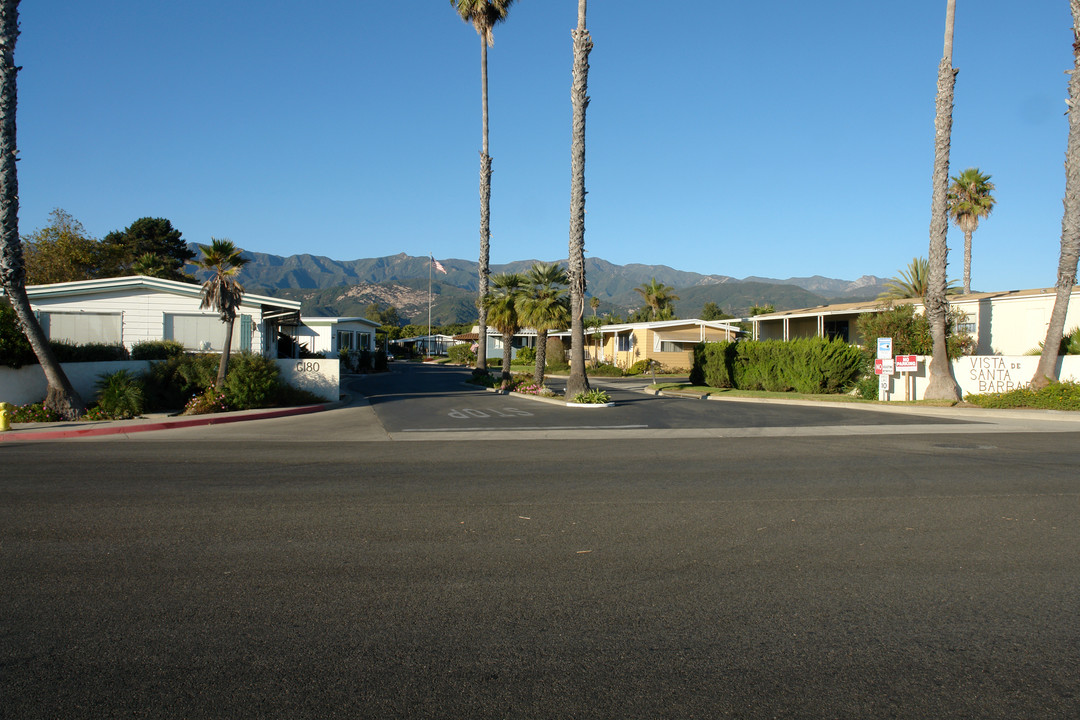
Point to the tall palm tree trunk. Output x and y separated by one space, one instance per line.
485 212
1047 371
579 93
507 358
942 384
223 363
541 357
967 261
61 396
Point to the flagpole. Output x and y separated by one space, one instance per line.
431 262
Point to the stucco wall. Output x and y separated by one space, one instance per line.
26 385
980 374
320 376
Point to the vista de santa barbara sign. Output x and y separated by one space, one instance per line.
992 374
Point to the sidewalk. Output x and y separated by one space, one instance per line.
22 432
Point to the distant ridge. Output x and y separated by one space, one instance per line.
346 287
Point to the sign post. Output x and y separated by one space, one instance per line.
883 367
906 364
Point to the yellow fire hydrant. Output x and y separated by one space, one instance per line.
6 411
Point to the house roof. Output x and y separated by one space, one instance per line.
656 325
129 282
320 320
879 305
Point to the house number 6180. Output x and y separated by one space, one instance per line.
311 367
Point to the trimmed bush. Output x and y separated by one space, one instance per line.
156 350
461 354
805 365
525 355
67 352
605 370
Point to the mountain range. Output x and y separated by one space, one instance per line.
347 287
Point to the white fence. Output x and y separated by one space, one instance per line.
978 374
25 385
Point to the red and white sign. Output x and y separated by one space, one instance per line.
907 363
884 367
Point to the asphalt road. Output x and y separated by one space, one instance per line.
262 570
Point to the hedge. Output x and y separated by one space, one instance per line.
805 365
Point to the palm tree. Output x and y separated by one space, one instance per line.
501 305
594 303
151 265
659 298
942 385
222 292
578 382
543 307
911 282
484 15
61 396
1047 371
970 200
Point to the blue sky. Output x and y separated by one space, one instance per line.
775 139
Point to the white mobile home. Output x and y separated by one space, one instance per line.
128 310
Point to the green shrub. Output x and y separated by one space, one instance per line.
251 381
120 395
640 366
289 396
35 412
207 402
910 331
605 370
170 383
525 355
712 364
15 350
461 354
1055 396
805 365
866 387
156 350
592 397
67 352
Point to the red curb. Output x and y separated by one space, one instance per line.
18 435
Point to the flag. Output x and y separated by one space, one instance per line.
439 266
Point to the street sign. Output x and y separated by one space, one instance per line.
884 383
884 367
907 363
884 348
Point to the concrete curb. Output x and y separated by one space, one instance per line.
125 427
968 412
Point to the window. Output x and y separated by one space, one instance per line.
672 346
365 341
344 340
83 328
623 343
966 327
206 333
837 329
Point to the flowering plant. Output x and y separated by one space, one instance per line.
210 401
